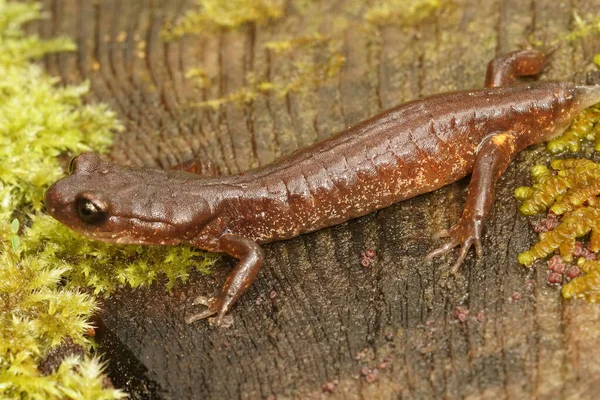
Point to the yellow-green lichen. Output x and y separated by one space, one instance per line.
401 12
304 77
281 46
217 14
582 27
199 76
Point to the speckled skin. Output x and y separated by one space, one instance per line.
411 149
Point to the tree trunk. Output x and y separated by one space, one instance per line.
315 315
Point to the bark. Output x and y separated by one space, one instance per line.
315 315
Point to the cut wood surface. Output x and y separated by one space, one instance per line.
315 315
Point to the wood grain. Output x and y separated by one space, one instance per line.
313 307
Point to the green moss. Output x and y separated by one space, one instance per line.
218 14
103 267
38 121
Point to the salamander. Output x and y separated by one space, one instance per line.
408 150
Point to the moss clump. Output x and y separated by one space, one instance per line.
401 12
584 127
36 314
587 286
571 192
39 121
218 14
103 267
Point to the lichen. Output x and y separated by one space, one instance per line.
226 15
401 12
311 58
304 77
582 27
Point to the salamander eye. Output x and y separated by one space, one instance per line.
92 211
72 165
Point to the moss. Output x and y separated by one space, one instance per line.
584 127
227 15
39 121
103 267
571 190
587 286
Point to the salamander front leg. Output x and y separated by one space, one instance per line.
494 156
251 259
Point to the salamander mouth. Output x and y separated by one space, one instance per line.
137 232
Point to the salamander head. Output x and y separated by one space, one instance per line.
119 204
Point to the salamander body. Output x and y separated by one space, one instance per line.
411 149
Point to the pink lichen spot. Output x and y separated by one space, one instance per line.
461 313
581 251
372 377
328 387
516 296
555 278
548 223
480 317
370 253
365 262
556 264
573 272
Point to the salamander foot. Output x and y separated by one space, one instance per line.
463 234
214 306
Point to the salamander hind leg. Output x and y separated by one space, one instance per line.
504 70
493 157
250 258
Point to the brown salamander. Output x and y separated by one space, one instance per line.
411 149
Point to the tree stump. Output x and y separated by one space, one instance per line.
315 316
